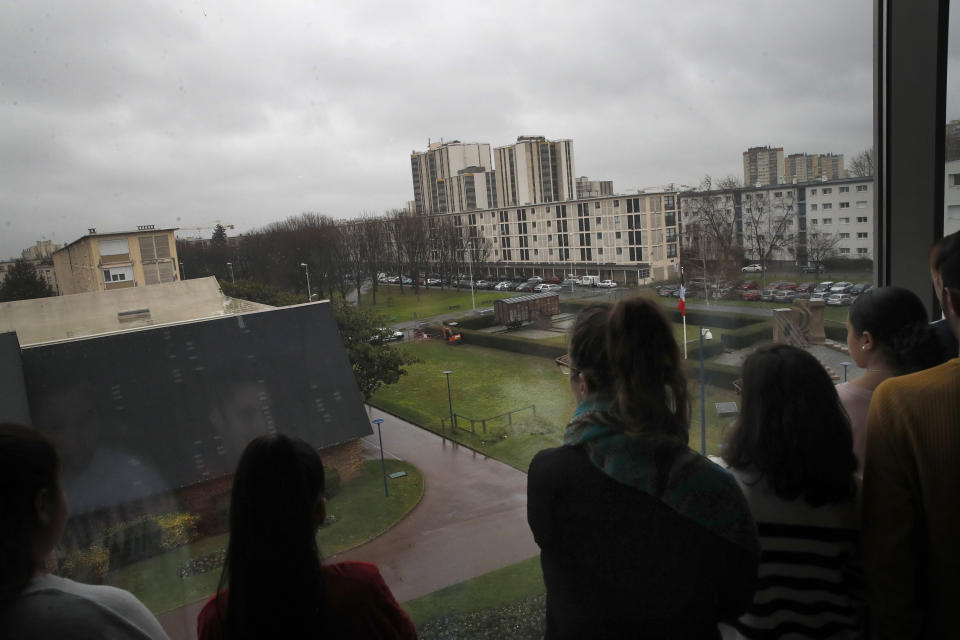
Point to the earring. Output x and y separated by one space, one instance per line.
863 347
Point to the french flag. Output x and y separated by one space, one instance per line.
682 305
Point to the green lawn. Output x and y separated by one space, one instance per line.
498 588
486 382
361 510
397 307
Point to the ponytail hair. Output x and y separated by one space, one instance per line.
273 564
28 464
650 386
897 320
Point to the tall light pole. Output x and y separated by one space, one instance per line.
472 298
232 279
383 465
449 397
307 270
704 334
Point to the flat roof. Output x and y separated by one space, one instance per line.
115 233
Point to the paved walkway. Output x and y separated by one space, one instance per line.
471 520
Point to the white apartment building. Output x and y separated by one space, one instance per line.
587 188
631 238
951 197
535 170
838 213
446 173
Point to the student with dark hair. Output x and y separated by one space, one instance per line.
276 585
640 536
948 339
888 335
791 450
33 516
911 522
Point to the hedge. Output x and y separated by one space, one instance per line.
511 343
745 336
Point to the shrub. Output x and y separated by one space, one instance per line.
88 565
177 529
331 482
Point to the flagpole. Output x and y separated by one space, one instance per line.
684 336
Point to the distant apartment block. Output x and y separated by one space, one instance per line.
587 188
535 170
105 261
454 176
42 250
806 167
762 166
834 213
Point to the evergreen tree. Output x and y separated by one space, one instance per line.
219 237
23 283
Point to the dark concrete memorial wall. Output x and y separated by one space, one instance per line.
146 412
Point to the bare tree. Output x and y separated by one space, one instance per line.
709 230
820 246
862 165
768 226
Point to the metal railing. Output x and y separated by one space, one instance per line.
483 421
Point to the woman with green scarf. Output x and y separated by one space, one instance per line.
640 536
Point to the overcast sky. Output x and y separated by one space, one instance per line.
115 114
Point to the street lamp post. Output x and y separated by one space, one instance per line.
449 397
704 335
232 279
307 270
470 263
383 465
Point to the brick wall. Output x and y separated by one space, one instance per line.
346 458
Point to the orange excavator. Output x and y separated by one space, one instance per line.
450 333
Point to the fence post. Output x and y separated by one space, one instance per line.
483 424
509 417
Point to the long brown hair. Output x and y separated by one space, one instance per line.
627 351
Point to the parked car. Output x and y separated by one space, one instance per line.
526 286
805 287
841 287
823 287
812 268
752 268
857 289
570 282
535 279
547 287
818 296
840 299
482 284
667 290
503 286
747 286
784 295
385 334
750 294
433 282
554 280
607 284
767 295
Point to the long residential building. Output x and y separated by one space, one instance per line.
627 238
825 217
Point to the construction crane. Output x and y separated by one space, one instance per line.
206 228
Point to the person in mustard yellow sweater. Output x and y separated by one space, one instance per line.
911 490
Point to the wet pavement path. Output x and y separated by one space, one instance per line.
472 519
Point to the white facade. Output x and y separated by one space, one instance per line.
797 215
951 197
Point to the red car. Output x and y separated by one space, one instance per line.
749 286
750 294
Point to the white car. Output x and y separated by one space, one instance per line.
433 282
607 284
752 268
502 286
840 299
548 288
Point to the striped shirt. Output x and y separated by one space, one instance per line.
808 584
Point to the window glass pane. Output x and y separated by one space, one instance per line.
951 169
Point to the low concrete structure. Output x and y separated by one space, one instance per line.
94 313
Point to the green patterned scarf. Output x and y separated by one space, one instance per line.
693 486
